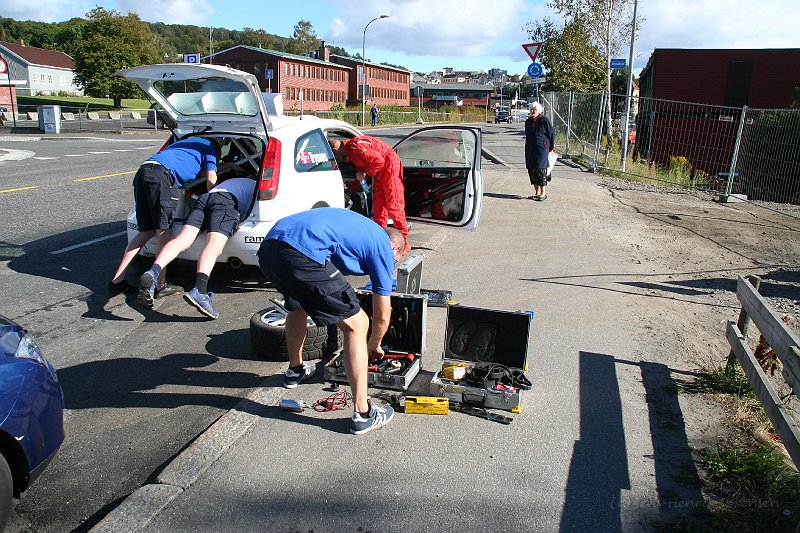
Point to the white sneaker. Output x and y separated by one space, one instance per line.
292 379
378 417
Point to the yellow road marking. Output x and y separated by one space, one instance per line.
105 176
19 189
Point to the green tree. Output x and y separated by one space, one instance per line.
572 62
303 39
68 35
606 26
109 43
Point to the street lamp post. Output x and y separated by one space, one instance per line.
364 67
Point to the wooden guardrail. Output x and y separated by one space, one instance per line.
786 345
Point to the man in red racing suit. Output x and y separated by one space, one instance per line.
373 157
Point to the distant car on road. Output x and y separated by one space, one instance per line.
503 116
31 413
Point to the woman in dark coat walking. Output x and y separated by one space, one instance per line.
539 141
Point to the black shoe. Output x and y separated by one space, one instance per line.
121 287
167 290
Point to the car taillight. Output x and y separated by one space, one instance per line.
270 170
166 143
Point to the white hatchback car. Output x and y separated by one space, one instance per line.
290 160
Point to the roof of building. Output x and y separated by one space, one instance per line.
454 86
39 56
284 55
370 63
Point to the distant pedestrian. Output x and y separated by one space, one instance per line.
374 113
155 191
539 142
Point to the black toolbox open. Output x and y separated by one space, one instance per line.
482 340
404 342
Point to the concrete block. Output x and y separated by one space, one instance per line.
732 198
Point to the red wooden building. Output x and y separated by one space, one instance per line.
691 100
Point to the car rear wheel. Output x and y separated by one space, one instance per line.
6 492
268 337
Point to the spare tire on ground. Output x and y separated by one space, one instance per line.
268 337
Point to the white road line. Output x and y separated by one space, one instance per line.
123 150
87 243
99 152
74 155
45 158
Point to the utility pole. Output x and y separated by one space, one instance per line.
628 93
210 45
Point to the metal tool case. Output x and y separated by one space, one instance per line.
406 336
474 336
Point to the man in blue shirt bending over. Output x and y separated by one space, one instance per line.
306 256
155 191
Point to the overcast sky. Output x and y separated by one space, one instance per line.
426 35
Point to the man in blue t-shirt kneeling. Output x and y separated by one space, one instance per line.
306 256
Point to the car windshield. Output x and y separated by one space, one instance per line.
208 95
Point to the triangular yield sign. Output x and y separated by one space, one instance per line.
532 49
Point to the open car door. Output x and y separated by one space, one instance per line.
442 175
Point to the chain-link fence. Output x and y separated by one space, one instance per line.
747 153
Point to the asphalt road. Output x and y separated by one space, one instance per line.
138 386
586 454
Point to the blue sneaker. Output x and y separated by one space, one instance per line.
292 379
147 289
202 302
378 417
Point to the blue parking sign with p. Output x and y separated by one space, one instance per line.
191 58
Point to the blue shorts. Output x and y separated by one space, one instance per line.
320 290
215 212
156 197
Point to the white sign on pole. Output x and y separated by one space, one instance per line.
191 58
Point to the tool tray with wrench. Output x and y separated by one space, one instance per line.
403 344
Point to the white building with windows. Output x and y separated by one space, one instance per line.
42 71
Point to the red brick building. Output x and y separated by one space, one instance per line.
323 81
319 83
385 85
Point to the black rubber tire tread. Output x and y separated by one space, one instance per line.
6 492
268 341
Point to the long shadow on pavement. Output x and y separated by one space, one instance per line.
599 467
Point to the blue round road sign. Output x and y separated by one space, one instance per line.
535 70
